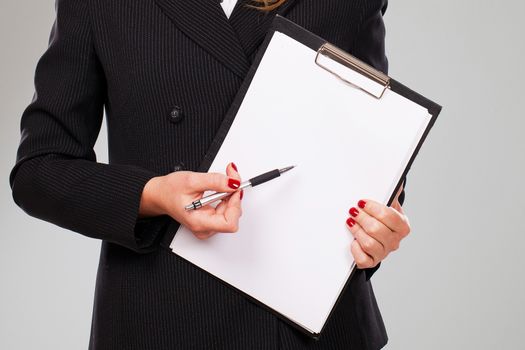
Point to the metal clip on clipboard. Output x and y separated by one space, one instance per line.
351 70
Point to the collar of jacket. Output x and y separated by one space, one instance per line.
231 41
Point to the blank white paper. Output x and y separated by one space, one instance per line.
292 251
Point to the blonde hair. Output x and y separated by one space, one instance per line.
267 5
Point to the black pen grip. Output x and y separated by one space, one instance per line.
265 177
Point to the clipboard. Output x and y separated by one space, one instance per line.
237 259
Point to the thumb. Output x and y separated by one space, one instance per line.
201 182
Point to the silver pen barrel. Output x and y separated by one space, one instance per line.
215 197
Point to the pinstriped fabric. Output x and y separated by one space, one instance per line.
213 30
251 26
140 60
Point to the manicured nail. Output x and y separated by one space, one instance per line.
353 211
234 166
233 183
242 194
361 204
350 222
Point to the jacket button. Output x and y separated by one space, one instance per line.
176 115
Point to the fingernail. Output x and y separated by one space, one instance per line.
242 194
350 222
233 183
234 166
353 211
361 204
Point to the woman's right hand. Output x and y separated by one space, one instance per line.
169 194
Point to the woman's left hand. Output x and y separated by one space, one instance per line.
377 229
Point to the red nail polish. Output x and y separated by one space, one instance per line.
361 204
350 222
353 211
233 183
234 166
242 194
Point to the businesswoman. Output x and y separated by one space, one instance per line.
166 72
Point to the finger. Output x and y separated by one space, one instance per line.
211 220
203 235
193 220
372 247
373 227
201 232
228 222
362 260
397 206
221 208
232 171
388 216
399 192
236 169
200 182
233 208
223 205
234 200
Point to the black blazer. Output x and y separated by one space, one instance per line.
166 72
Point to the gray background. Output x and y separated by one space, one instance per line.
457 281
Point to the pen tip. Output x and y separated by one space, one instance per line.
283 170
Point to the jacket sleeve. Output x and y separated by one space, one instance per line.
56 177
369 46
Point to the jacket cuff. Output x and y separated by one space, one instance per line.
97 200
149 231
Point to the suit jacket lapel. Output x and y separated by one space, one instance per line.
204 21
230 41
252 25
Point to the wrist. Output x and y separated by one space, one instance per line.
151 198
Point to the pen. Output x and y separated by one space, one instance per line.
212 198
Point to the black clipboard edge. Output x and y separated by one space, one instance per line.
311 40
433 109
257 302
